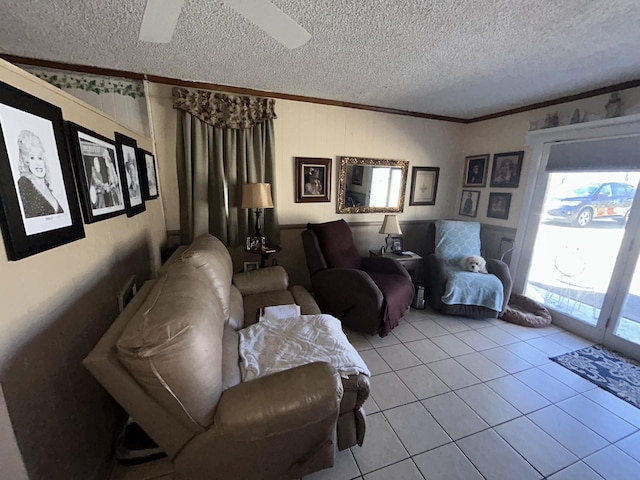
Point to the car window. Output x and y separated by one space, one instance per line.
605 190
619 190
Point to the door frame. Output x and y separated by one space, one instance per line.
539 142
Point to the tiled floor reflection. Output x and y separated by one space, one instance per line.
456 398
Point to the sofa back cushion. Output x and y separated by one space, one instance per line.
337 245
456 239
209 255
173 346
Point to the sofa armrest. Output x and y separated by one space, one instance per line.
266 279
384 265
501 270
302 297
280 402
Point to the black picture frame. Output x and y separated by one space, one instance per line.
469 203
506 168
475 170
397 244
99 173
133 196
149 174
424 185
499 204
33 219
313 179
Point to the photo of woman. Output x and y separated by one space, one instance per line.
33 185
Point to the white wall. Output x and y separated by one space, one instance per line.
55 306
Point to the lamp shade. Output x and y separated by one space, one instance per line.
390 225
256 195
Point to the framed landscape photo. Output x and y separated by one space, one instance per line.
313 179
499 204
506 168
424 184
99 174
250 266
469 203
132 185
149 171
475 171
39 207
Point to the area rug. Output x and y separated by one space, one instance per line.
609 370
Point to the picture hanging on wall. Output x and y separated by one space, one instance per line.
475 171
469 203
313 180
499 204
99 174
149 172
505 171
424 185
39 208
132 184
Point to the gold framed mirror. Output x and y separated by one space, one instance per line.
370 185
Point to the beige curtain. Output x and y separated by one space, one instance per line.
222 142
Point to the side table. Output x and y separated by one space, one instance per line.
264 253
410 262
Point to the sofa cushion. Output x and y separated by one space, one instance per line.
456 239
172 346
209 255
337 245
252 303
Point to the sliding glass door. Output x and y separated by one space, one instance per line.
580 255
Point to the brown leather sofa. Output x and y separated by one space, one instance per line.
171 361
368 294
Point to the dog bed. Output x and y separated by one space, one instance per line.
524 311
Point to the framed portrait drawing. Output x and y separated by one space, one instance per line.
505 171
396 244
469 203
39 208
313 179
499 204
149 174
475 170
424 184
99 174
132 185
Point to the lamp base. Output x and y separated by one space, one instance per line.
257 225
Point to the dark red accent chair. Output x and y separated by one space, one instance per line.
368 294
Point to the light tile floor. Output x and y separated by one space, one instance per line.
456 398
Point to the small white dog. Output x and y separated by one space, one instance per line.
474 263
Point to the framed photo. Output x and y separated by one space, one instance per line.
256 243
505 171
132 184
149 174
424 183
396 244
39 208
358 173
250 266
475 171
469 203
499 204
99 174
313 179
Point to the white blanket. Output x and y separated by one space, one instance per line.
276 344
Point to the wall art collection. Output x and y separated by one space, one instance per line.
42 159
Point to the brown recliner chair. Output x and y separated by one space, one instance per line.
442 259
368 294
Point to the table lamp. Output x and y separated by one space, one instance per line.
256 196
390 226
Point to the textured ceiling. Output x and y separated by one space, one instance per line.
455 58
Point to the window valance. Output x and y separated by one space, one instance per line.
224 111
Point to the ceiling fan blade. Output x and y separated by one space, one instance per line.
159 20
272 20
